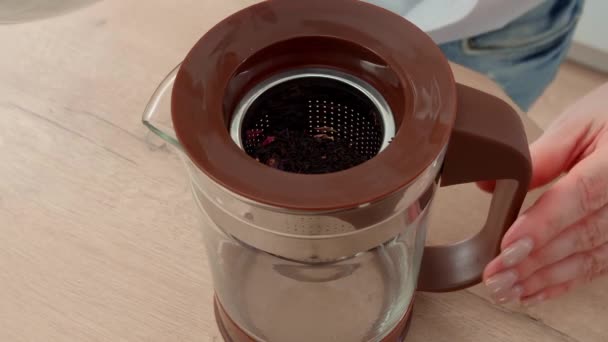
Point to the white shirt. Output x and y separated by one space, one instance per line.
448 20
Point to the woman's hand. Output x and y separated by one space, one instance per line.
562 240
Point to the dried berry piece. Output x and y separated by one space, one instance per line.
301 151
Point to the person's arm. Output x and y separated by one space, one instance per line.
562 240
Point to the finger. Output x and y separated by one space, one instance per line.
508 258
553 154
581 192
515 294
564 142
552 292
583 236
584 266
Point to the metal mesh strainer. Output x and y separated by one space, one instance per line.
317 103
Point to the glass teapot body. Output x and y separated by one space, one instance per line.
281 285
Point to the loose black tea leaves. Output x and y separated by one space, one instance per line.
312 125
303 151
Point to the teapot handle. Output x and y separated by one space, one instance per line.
157 115
488 143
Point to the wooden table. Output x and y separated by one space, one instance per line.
99 238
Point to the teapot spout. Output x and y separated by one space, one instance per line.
157 115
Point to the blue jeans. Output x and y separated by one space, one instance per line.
524 56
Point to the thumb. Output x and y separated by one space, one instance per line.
568 139
555 152
558 149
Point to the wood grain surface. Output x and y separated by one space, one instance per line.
99 237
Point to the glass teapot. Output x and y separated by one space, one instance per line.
333 256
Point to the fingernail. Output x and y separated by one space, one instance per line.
501 281
517 252
509 296
534 300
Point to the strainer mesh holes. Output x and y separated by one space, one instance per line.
312 125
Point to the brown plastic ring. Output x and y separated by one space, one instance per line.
386 51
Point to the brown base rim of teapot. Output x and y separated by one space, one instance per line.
232 333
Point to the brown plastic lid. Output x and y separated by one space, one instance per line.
271 37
